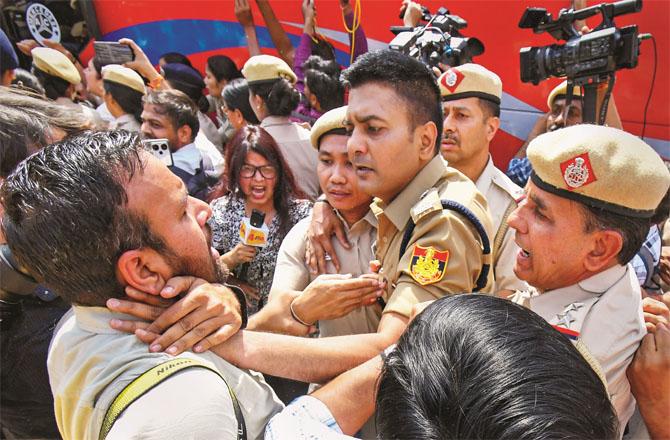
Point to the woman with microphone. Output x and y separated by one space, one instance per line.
258 179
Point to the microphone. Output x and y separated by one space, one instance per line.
253 232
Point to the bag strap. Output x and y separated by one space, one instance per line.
502 230
149 379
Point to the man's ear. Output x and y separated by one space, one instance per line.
143 269
185 135
427 135
492 126
606 246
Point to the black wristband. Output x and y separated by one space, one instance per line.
239 293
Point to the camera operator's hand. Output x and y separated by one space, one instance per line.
323 226
411 13
141 63
207 315
240 254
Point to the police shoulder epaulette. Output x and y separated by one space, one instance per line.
429 202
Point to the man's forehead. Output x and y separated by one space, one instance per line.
150 111
333 144
463 103
364 100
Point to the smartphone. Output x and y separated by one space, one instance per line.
111 52
160 149
257 218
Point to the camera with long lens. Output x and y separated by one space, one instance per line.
583 58
439 41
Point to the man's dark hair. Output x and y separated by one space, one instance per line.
633 231
236 97
410 79
322 48
27 123
130 100
481 367
489 108
178 107
323 79
222 67
66 218
176 57
54 87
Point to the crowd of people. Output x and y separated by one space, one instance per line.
321 252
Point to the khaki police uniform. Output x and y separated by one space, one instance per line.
603 168
444 253
501 194
291 272
475 81
90 363
605 313
302 159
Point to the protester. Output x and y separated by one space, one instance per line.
123 94
92 199
174 57
171 115
258 179
273 98
95 89
515 377
27 81
578 228
189 81
219 72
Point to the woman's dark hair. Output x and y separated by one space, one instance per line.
130 100
480 367
280 97
252 138
26 124
236 97
176 57
322 48
323 79
27 81
222 67
54 87
97 66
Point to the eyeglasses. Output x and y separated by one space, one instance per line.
267 171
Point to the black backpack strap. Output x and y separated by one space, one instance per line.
149 379
472 218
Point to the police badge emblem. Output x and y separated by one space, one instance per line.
451 79
578 171
427 264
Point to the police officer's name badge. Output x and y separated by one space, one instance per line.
428 265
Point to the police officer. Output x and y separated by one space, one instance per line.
583 220
471 97
59 77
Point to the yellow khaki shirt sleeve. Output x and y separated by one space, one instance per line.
444 231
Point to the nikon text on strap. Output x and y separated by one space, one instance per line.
149 379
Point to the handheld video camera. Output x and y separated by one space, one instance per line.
439 41
596 54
